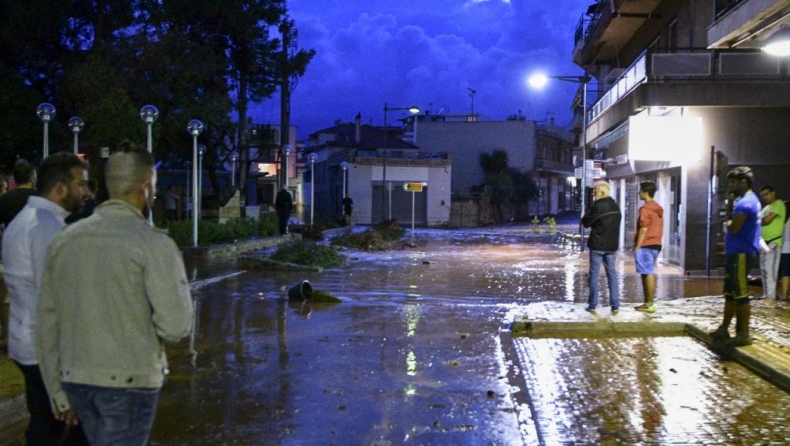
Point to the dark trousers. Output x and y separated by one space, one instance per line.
43 429
283 216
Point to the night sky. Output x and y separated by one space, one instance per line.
429 53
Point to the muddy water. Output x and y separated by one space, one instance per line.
419 353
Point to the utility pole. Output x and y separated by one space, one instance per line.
289 34
472 93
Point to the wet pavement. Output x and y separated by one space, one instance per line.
420 352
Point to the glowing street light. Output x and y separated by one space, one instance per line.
149 114
413 110
46 112
778 44
539 81
76 125
312 158
195 128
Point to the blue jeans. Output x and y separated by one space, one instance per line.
608 258
113 416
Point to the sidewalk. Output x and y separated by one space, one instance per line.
769 356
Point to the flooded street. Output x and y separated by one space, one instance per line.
419 352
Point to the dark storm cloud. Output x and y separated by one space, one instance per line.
429 53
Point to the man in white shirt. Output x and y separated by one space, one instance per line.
62 182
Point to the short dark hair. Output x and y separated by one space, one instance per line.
23 171
768 188
57 169
649 187
126 170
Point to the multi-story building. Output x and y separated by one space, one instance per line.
685 94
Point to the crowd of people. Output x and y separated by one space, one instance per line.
86 329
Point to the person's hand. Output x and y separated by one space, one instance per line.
68 417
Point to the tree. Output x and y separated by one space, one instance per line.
509 185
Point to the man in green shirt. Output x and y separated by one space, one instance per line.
772 219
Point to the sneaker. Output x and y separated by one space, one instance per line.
590 309
740 340
721 334
646 308
615 311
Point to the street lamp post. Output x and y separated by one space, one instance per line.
76 124
344 166
195 128
199 196
46 112
538 81
312 158
233 159
286 151
149 115
414 110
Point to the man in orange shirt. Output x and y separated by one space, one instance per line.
647 242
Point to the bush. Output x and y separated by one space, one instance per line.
379 238
308 253
211 232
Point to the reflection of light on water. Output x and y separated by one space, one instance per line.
410 390
570 278
411 364
411 314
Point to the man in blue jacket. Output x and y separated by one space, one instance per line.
603 219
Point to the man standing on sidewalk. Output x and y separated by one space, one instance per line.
63 178
603 219
741 245
772 227
647 242
114 290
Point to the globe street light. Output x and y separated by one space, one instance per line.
195 128
149 114
312 157
412 109
286 151
344 166
46 112
539 81
76 124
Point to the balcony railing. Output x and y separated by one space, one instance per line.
725 6
691 65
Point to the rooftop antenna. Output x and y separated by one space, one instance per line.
472 94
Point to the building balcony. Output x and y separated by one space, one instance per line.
692 77
608 26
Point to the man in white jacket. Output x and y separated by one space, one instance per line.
62 185
114 290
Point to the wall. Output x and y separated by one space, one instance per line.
466 141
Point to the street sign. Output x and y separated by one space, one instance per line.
412 187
